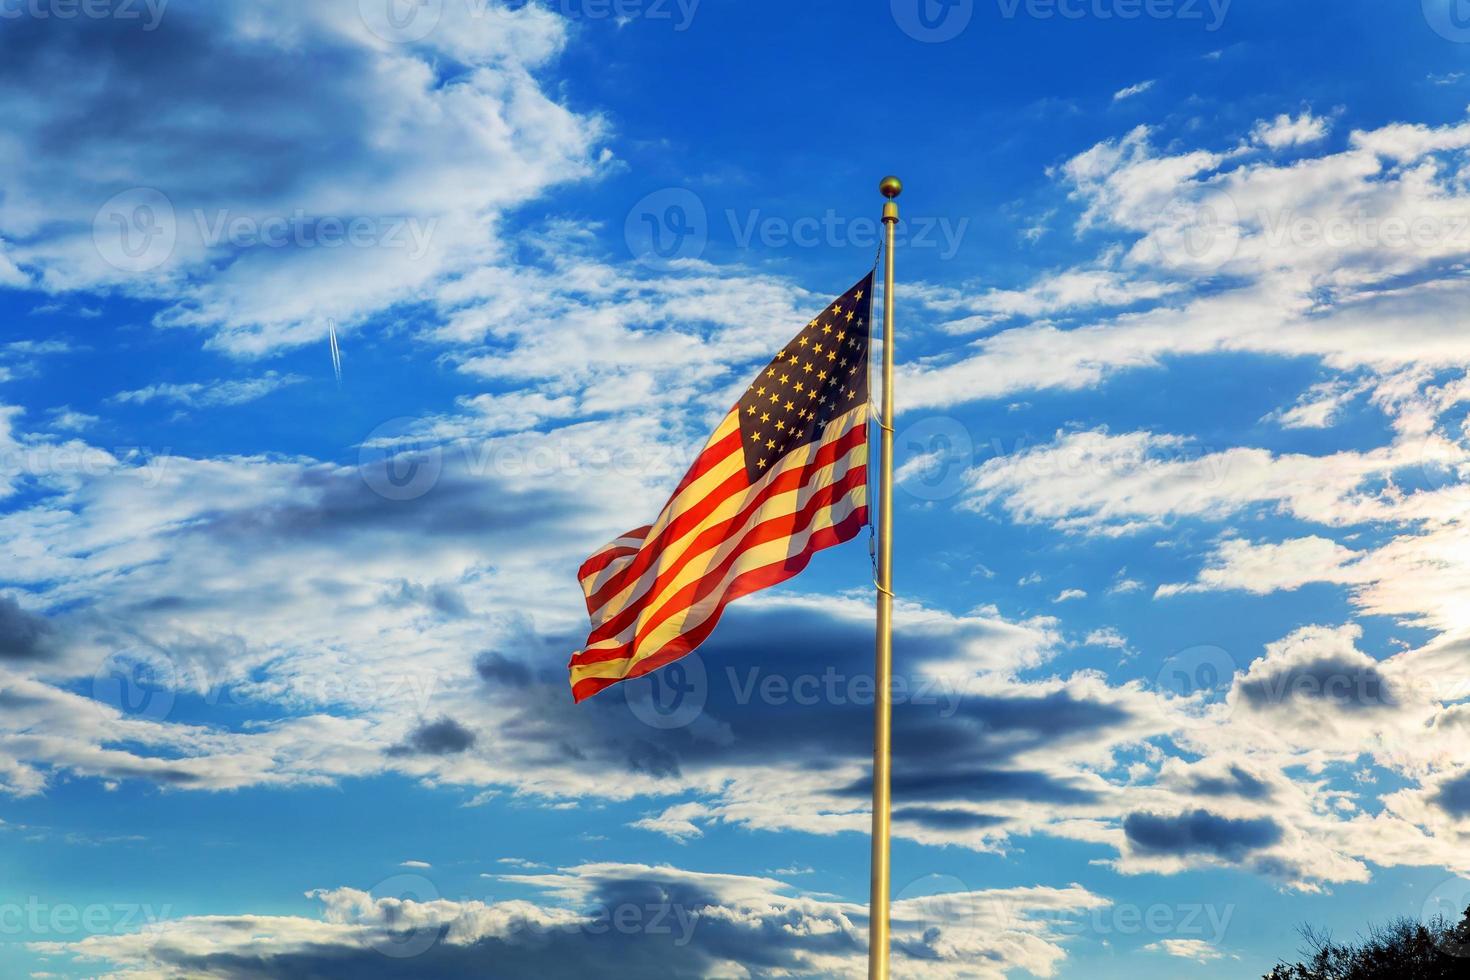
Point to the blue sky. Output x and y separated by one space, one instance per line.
1181 522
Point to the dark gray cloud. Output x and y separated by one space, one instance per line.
656 945
1454 796
627 921
501 670
655 760
23 634
791 685
1347 684
443 599
442 737
794 684
338 504
938 819
1200 832
1237 782
977 785
561 956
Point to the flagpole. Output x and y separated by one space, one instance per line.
878 942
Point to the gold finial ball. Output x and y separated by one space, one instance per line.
890 187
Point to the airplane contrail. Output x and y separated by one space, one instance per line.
336 350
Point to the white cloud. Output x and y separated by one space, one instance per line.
1123 585
1072 292
1108 636
1132 90
1319 406
210 394
363 211
952 934
67 419
1187 949
1310 259
1285 131
1264 567
11 274
1099 482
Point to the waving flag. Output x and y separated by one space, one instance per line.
783 476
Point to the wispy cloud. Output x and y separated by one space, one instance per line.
209 394
1132 90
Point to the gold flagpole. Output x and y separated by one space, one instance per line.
891 187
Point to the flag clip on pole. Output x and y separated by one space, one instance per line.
878 942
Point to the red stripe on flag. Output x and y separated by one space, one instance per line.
610 553
743 585
709 458
714 534
681 525
696 514
782 526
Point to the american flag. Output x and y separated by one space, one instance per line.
783 476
